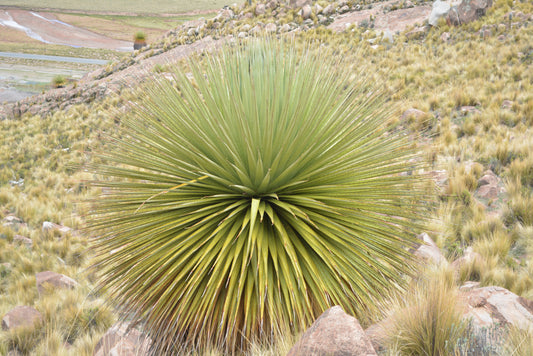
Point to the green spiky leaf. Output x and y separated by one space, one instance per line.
257 195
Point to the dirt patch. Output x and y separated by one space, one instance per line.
45 27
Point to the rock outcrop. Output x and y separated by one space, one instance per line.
488 306
334 333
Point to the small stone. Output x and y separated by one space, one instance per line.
271 27
507 104
412 112
21 316
328 10
285 28
23 240
486 33
260 9
344 9
246 28
488 178
299 3
445 37
54 279
242 35
306 12
429 251
470 110
256 29
488 191
50 226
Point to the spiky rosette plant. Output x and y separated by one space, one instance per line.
252 197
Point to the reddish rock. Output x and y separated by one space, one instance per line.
54 279
488 178
21 316
413 113
428 250
488 191
120 341
334 333
12 222
468 11
488 306
22 240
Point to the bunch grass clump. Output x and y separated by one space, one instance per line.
428 320
254 197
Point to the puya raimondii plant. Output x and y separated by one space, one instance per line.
253 197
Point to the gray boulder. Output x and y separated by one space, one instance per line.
440 9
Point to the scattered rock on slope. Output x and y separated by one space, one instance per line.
21 316
54 279
468 11
334 333
428 250
488 306
439 10
120 341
